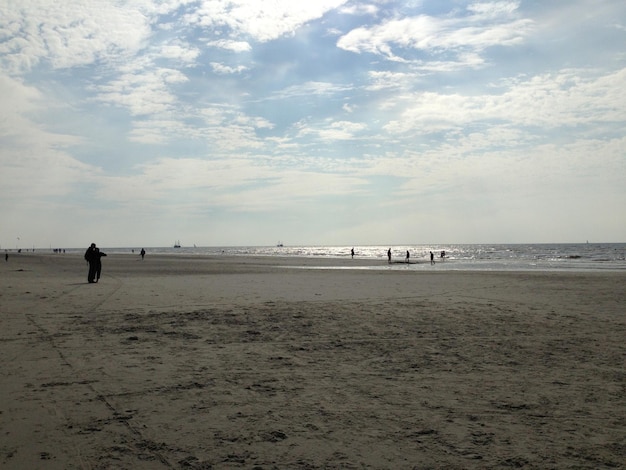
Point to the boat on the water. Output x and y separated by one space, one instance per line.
177 244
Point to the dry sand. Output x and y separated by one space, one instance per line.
176 362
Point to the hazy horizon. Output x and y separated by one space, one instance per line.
347 246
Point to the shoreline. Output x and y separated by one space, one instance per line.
423 265
225 362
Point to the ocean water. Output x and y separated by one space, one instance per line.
497 257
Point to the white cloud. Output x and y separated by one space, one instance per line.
380 80
235 46
435 35
259 19
360 9
311 88
547 101
489 10
226 69
239 184
36 163
144 92
183 53
256 122
338 130
156 131
68 33
541 191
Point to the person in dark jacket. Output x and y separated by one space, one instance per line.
90 257
98 261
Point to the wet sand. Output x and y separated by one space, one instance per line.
180 362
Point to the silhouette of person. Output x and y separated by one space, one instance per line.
143 253
90 257
443 255
352 253
389 255
407 256
98 262
6 256
432 258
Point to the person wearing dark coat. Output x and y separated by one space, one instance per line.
90 257
98 261
93 256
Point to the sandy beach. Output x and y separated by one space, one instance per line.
267 363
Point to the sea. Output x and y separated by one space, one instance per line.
463 257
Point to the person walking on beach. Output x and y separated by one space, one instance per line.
143 253
352 253
408 255
432 258
389 255
90 257
98 262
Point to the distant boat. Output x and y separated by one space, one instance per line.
177 244
279 244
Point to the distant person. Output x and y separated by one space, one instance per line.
432 258
143 253
389 255
6 256
352 253
408 255
98 261
443 255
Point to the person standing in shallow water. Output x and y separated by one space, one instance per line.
143 253
389 255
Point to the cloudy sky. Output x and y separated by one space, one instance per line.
246 122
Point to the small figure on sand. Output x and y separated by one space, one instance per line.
443 255
6 256
408 255
432 258
143 253
389 255
352 253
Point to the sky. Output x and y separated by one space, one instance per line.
327 122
